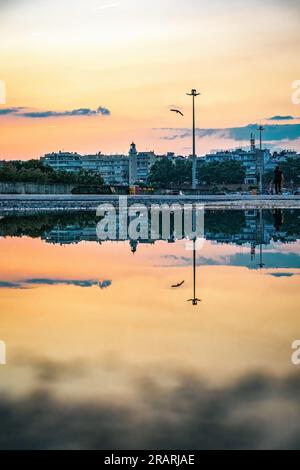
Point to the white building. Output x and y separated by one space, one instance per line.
251 159
115 169
63 161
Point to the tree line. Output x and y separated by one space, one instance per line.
34 171
165 173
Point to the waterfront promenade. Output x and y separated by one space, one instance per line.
48 203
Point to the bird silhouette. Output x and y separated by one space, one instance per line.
176 111
178 285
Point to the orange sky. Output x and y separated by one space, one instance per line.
138 58
139 323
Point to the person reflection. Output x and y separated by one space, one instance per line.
278 219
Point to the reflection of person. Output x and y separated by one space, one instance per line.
278 178
278 219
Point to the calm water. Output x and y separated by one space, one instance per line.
103 353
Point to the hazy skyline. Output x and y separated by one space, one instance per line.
63 61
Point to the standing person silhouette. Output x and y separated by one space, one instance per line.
278 177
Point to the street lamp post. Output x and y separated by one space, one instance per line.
194 94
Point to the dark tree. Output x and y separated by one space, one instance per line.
230 172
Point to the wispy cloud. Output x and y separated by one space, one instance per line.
282 118
27 283
83 112
74 112
273 132
6 111
10 285
274 260
287 274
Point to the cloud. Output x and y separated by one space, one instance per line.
272 260
257 412
272 133
10 285
83 112
282 274
27 283
281 118
6 111
51 371
75 112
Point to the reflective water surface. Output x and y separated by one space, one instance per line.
102 351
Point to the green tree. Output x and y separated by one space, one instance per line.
228 172
164 173
34 171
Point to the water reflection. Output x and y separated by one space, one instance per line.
194 300
102 351
255 229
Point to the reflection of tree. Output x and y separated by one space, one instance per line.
37 225
228 222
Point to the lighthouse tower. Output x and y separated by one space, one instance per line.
132 164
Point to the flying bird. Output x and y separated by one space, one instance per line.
178 285
176 111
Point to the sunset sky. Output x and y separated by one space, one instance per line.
94 75
139 325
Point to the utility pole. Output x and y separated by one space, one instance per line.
194 94
261 159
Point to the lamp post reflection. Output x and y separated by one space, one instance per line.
194 300
261 264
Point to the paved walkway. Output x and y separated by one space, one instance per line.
41 203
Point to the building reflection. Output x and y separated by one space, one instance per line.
253 230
